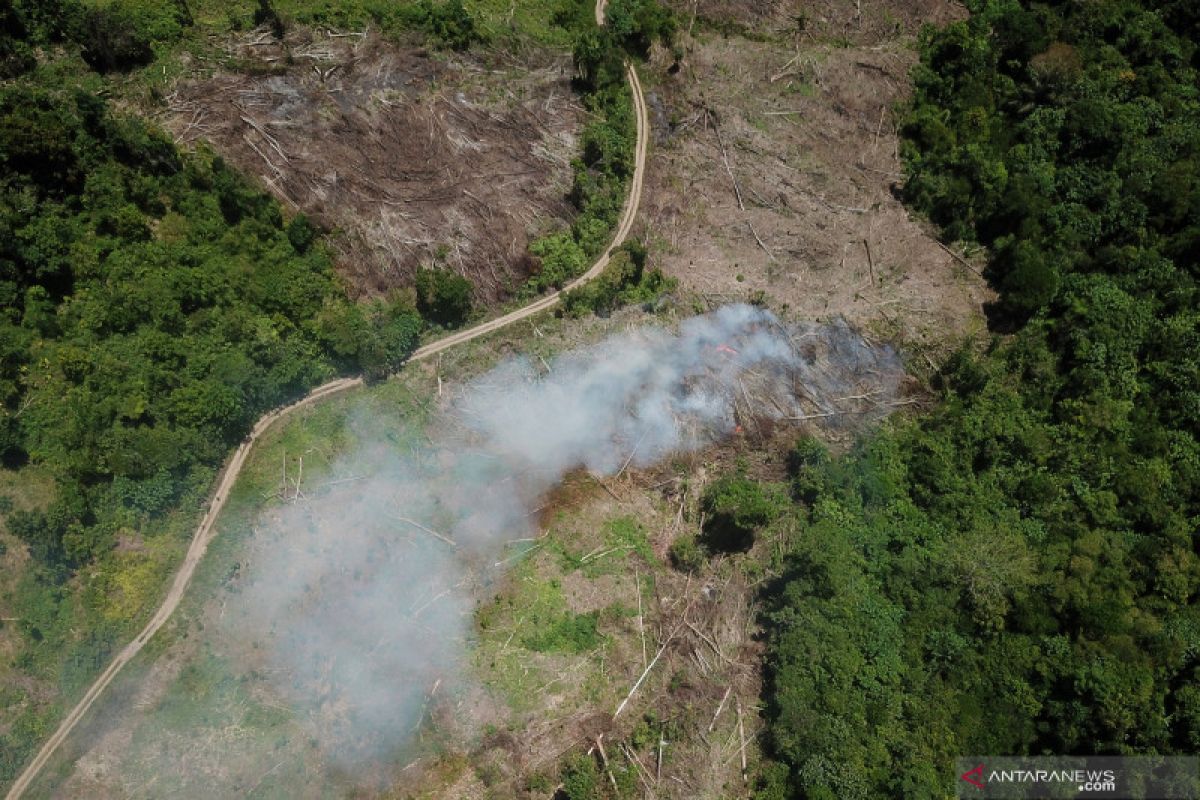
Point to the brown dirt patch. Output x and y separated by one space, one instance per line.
847 21
412 156
806 131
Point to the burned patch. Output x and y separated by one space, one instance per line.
411 157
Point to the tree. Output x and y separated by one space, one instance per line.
735 507
266 14
443 297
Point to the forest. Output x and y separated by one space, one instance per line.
1015 572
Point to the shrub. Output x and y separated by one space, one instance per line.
16 56
266 14
301 233
561 258
581 779
449 22
571 633
637 24
735 507
443 297
391 336
120 36
687 554
806 465
625 281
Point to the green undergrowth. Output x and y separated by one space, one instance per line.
625 281
532 644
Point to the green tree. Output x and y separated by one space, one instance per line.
735 507
443 297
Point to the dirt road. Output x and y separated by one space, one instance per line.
206 530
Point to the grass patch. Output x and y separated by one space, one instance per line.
568 633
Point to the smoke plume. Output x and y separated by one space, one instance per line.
352 605
366 604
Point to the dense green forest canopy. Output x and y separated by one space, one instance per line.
154 306
1017 571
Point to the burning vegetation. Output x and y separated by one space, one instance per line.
503 584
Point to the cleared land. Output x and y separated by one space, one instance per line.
777 165
785 198
412 157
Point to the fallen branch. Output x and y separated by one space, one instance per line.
657 656
642 679
632 453
255 148
271 140
637 579
783 71
604 758
742 736
430 531
299 479
341 480
720 707
605 487
958 258
643 773
713 645
803 417
766 249
870 260
737 190
417 611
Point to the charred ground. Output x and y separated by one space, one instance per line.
414 157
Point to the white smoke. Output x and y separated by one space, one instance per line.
358 603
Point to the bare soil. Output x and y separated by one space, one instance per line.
413 156
844 21
776 169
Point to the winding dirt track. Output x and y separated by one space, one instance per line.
206 530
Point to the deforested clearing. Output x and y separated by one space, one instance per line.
778 167
412 156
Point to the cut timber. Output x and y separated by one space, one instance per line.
957 257
870 260
720 706
604 758
742 736
758 239
637 579
430 531
737 190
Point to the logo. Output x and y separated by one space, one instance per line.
974 776
1025 777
